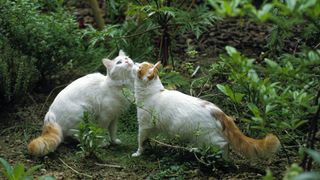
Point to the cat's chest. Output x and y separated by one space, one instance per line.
113 104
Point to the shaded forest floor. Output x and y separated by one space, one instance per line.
158 162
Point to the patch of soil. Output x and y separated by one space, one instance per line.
26 123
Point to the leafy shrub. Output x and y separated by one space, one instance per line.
90 136
295 172
278 96
53 38
19 171
17 73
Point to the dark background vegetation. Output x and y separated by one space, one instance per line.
257 60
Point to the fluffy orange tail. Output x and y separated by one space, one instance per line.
49 140
249 147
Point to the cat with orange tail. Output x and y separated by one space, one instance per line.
192 119
95 93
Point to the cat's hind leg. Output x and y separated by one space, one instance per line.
113 132
142 136
225 152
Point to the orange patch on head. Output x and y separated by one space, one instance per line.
148 70
144 69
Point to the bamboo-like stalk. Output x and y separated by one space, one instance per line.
97 14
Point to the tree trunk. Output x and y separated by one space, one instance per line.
97 14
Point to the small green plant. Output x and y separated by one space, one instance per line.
172 79
19 171
295 172
18 73
91 137
176 171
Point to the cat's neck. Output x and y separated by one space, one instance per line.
118 84
144 90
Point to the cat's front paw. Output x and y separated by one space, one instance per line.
136 154
116 141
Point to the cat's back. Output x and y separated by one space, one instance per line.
81 89
86 83
173 97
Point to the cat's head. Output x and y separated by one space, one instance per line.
119 68
146 71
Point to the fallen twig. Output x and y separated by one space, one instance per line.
86 175
171 146
109 165
34 126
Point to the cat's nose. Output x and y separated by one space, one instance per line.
126 61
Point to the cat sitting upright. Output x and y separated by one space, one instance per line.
192 119
98 94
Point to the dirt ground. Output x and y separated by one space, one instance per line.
157 163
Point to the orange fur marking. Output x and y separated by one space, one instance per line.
146 67
249 147
48 141
143 69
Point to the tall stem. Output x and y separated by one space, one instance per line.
311 137
97 14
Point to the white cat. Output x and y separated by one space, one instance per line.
192 119
95 93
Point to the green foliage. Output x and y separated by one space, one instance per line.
91 137
52 38
125 36
283 88
295 172
171 171
19 171
286 16
17 73
172 79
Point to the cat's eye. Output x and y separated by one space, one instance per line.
119 62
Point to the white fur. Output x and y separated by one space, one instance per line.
175 114
96 93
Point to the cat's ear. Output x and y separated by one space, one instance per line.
122 53
154 71
107 63
157 66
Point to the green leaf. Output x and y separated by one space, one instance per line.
314 154
254 109
227 8
270 107
7 167
307 175
299 123
32 170
306 5
313 56
18 171
291 4
231 50
271 64
225 89
264 13
47 178
268 176
238 97
252 74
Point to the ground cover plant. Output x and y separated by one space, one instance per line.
259 61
